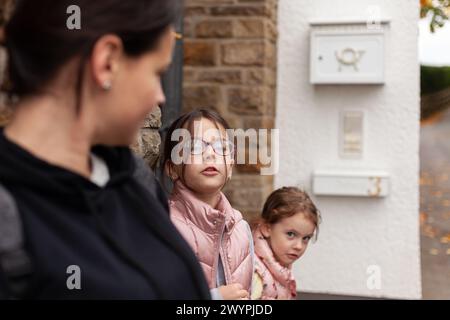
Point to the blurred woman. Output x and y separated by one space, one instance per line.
95 222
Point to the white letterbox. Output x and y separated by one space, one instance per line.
347 53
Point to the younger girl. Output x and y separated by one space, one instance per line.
199 166
288 222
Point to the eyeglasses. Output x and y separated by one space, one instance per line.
221 147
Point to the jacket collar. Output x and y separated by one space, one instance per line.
202 214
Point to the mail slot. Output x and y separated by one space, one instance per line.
373 184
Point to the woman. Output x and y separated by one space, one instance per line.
95 222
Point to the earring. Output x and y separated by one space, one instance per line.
107 85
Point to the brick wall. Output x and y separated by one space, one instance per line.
230 66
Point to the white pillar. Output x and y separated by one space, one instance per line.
359 236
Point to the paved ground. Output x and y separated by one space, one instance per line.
435 206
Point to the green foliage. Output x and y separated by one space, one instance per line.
438 10
433 79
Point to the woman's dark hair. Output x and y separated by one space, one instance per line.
187 121
286 202
39 42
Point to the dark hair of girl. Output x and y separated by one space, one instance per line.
286 202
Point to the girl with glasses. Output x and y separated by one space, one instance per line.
198 158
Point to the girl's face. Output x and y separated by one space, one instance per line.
208 168
289 237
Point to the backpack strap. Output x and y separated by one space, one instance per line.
15 263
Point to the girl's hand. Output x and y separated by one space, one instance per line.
233 292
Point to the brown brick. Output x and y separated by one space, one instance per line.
248 143
249 166
195 11
234 121
248 181
255 28
189 74
214 29
244 28
248 53
252 217
243 54
246 199
272 32
258 122
199 53
260 76
270 100
247 192
255 76
200 97
188 28
203 2
221 76
246 100
250 10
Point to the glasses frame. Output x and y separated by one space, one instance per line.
213 145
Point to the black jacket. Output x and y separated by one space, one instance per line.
119 236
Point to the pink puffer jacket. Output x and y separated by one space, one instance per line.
278 282
211 232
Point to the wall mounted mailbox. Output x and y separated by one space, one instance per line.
372 184
347 53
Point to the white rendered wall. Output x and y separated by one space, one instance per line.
356 232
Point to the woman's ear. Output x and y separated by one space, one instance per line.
105 60
265 229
